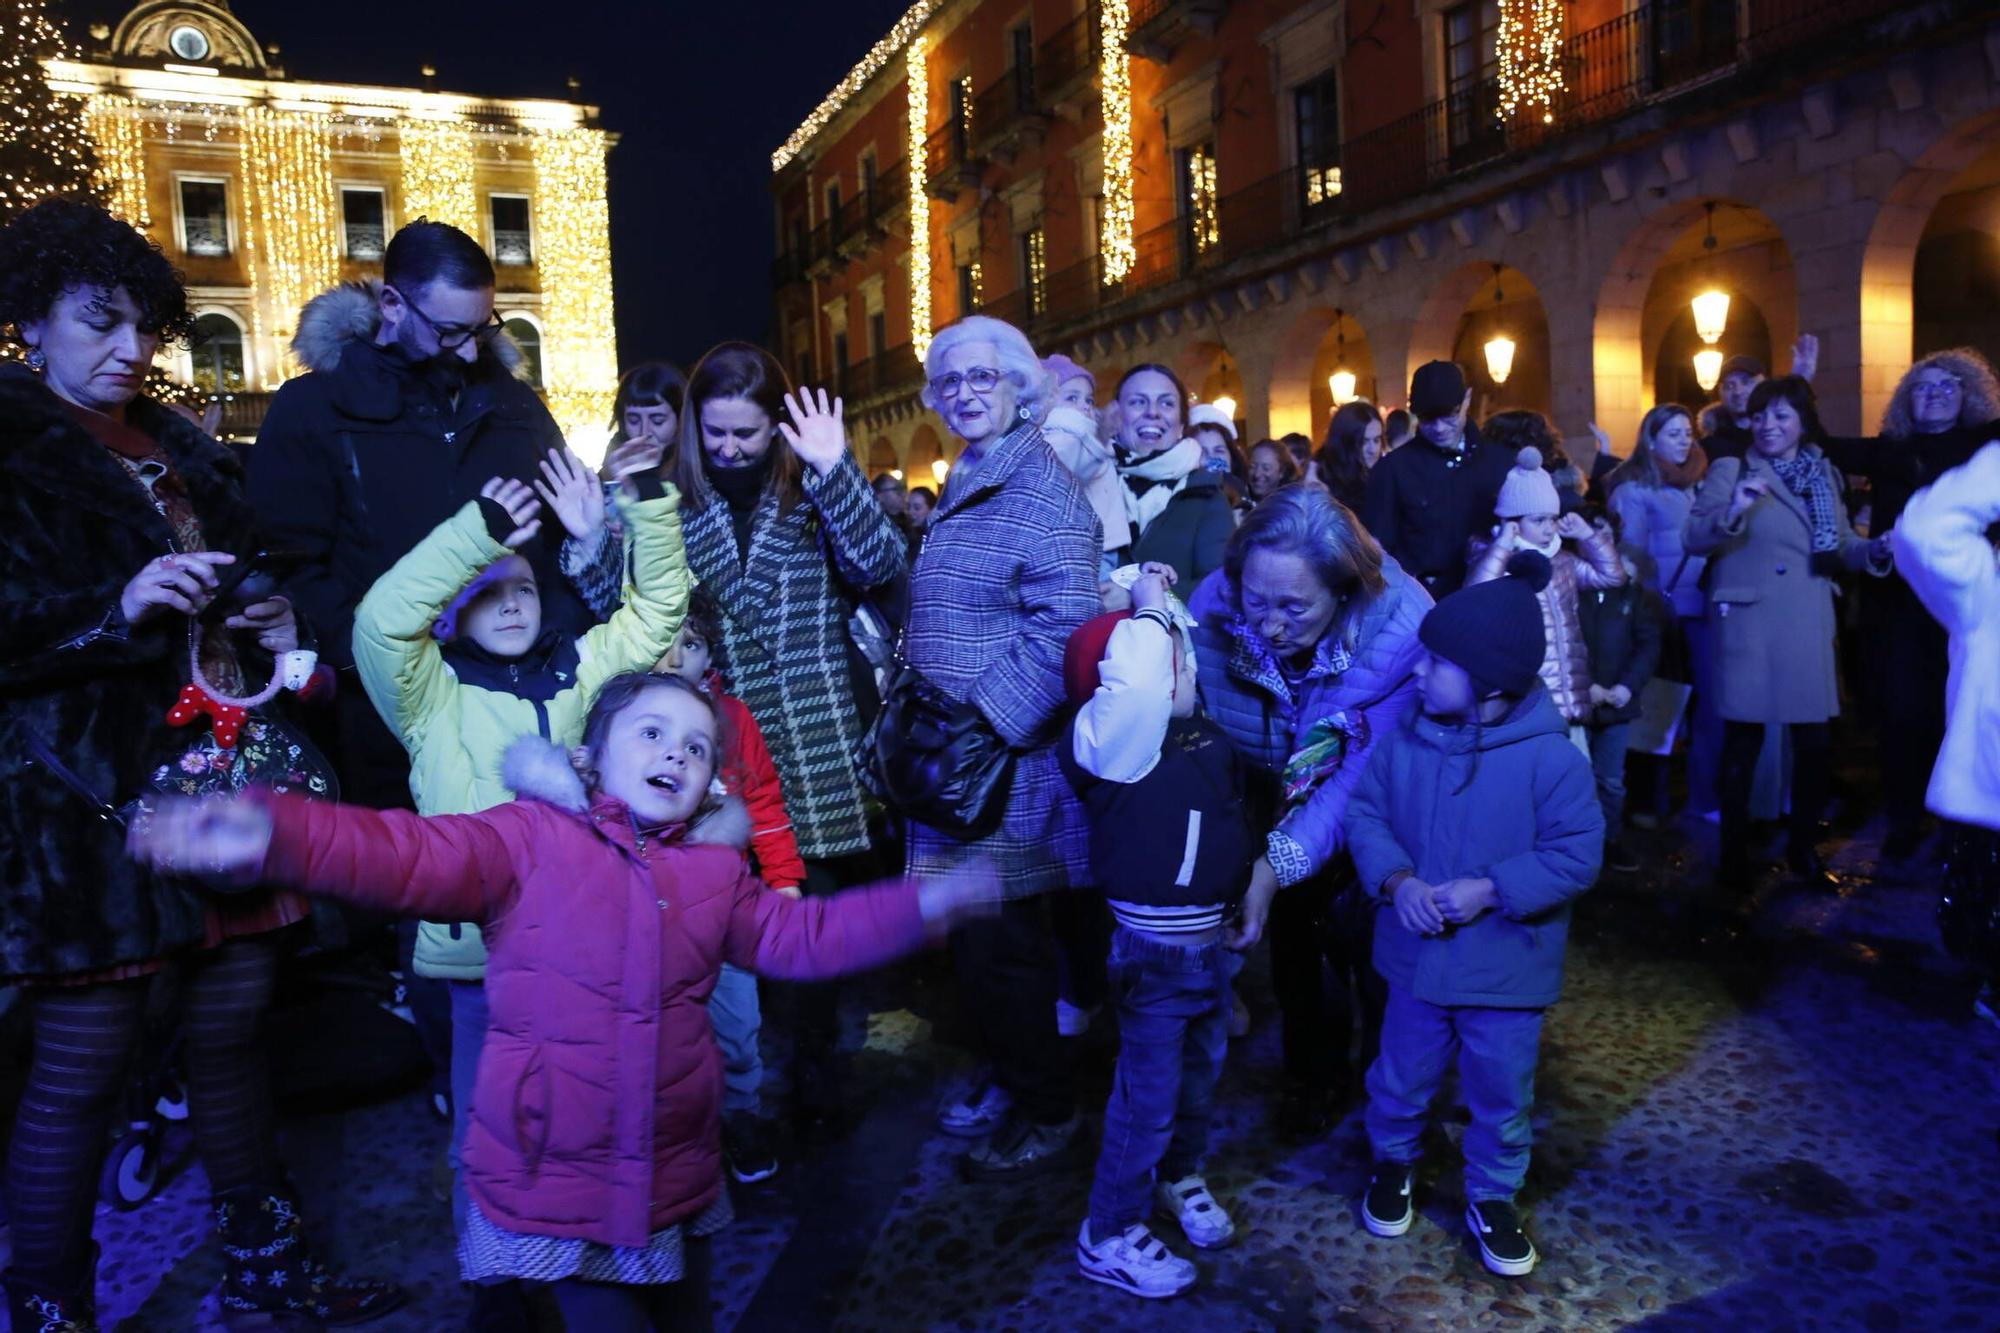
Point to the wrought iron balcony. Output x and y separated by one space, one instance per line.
1160 26
512 249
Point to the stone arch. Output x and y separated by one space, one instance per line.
926 448
881 457
1889 256
1633 321
1461 313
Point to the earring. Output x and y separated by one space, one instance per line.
1024 413
38 360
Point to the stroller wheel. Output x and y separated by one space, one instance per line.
131 1171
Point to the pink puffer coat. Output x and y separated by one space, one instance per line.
597 1110
1591 562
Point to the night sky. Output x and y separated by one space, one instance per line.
699 95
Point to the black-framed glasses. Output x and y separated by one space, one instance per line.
453 336
979 379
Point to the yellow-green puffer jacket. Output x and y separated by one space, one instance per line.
457 732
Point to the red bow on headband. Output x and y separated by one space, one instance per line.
195 702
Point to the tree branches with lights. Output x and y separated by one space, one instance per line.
45 149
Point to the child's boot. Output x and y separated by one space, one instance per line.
270 1277
1202 1219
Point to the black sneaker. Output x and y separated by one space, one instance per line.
746 1144
1503 1246
1618 859
1020 1149
1387 1208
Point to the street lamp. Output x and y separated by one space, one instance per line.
1708 368
1711 307
938 469
1341 382
1499 348
1226 405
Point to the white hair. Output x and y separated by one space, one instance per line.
1017 359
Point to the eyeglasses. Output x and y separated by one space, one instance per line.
1944 388
979 379
453 336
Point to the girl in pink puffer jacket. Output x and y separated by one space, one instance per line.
1580 557
611 897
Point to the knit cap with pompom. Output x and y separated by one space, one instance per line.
1528 489
1493 630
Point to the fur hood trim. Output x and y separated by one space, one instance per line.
540 770
348 313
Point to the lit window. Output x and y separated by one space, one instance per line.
513 245
205 218
217 354
1316 107
1035 270
1204 229
363 221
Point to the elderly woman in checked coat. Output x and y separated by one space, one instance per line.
1008 572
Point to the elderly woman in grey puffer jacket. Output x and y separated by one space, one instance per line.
1008 573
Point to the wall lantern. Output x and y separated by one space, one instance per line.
1708 368
1499 348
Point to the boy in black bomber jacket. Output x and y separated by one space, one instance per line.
1172 846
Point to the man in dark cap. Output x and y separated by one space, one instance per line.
1427 499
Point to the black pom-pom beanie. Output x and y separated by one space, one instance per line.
1493 631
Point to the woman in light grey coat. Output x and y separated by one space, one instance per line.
1776 536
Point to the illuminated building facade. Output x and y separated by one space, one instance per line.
1289 200
266 190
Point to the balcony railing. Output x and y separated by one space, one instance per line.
861 224
365 241
949 162
207 237
511 249
1160 26
1006 110
1656 54
1066 62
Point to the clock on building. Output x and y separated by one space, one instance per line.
188 42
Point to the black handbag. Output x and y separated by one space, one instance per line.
936 760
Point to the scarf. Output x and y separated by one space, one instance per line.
1810 482
740 489
1152 481
1690 472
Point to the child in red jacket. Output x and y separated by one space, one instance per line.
593 1156
749 775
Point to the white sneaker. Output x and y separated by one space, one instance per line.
1072 1021
1133 1261
1202 1219
976 1109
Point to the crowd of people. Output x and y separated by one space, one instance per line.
641 747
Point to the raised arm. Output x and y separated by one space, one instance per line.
1598 564
860 539
643 628
808 939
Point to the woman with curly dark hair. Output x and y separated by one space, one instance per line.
118 522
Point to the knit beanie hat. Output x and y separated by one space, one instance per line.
1528 489
1062 370
1493 631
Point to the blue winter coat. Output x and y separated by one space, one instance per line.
1513 802
1244 691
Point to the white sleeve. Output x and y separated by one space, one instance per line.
1120 728
1941 545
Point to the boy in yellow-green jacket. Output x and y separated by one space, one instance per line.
450 647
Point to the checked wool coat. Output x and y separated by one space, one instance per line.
784 636
1008 573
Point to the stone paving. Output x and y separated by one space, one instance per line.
1774 1117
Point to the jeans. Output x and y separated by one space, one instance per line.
1322 936
468 1037
1496 1050
1007 985
1607 765
1173 1031
663 1307
733 1013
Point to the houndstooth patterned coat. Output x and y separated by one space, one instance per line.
784 637
1008 573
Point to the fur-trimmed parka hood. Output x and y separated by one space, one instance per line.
540 770
349 313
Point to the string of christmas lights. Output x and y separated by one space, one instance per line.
45 147
1116 244
1528 47
438 158
880 54
291 242
573 251
916 69
118 127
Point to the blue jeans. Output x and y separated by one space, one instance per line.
468 1037
1607 765
1496 1050
733 1013
1173 1030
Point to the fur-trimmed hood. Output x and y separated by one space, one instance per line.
349 313
540 770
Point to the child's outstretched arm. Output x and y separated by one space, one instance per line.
640 631
455 867
1121 727
814 938
399 660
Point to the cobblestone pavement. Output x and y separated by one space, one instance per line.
1767 1118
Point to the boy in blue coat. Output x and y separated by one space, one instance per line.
1475 824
